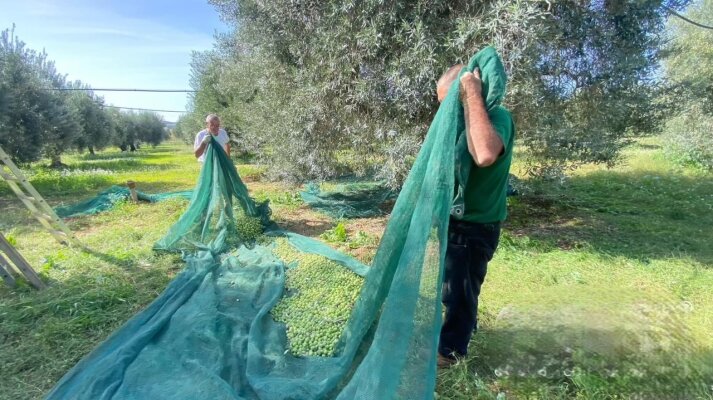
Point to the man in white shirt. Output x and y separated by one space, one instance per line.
203 137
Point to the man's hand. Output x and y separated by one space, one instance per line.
471 85
206 139
484 144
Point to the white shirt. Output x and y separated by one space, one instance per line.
222 138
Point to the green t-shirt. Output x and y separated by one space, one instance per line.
486 191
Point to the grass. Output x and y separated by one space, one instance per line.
602 287
45 333
163 168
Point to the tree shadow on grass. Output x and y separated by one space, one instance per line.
119 165
306 227
125 263
59 186
15 214
637 215
69 318
593 359
150 188
143 152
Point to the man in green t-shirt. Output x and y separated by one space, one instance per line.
473 237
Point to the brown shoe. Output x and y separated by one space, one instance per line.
445 362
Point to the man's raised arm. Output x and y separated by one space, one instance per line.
484 144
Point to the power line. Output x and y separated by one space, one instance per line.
143 109
688 20
124 90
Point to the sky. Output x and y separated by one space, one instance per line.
133 44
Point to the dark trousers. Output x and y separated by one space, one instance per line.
470 247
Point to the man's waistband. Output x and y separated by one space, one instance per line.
465 227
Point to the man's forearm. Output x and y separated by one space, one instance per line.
483 142
200 150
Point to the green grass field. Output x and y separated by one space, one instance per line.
602 287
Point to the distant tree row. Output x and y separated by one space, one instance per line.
37 121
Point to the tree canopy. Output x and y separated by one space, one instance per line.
351 84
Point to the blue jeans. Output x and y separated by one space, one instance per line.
470 247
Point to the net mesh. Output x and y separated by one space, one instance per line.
110 197
349 200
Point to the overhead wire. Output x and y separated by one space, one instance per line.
143 109
129 90
673 12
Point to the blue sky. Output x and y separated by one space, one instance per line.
119 43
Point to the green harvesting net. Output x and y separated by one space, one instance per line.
362 199
220 211
349 200
108 198
284 316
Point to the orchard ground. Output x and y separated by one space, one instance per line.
602 286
